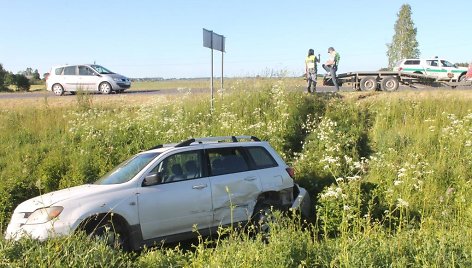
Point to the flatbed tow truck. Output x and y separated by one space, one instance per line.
390 80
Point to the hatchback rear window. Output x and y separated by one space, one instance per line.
58 71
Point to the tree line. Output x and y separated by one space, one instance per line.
22 81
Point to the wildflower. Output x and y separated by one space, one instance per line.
397 182
402 203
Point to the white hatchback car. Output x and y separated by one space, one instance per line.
86 77
168 192
439 68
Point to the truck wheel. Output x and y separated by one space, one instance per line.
368 83
389 84
462 78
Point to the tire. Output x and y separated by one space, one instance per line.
113 235
462 78
262 218
389 83
105 88
58 89
368 83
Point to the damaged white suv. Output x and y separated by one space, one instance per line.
166 193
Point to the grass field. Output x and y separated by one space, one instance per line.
390 173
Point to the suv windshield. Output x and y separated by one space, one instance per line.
101 69
445 63
127 170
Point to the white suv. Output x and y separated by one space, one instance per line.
167 192
439 68
86 77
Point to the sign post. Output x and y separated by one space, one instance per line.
214 41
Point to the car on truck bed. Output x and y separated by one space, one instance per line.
435 67
168 192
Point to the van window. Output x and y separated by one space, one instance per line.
226 161
84 70
69 70
412 62
262 158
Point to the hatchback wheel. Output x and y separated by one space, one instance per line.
58 89
105 88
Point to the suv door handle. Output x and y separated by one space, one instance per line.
250 179
200 186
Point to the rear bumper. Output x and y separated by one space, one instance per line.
302 202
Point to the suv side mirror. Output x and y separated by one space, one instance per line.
455 66
152 179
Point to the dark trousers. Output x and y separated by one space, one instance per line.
311 80
332 70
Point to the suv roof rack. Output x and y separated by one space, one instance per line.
217 139
207 139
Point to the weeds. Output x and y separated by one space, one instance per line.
391 177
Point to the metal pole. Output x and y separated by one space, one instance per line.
211 107
222 73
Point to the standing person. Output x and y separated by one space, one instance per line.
331 66
311 70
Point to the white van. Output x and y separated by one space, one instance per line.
435 67
85 77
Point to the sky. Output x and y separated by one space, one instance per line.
155 38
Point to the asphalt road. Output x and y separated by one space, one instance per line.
42 94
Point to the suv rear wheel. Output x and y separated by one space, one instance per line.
262 218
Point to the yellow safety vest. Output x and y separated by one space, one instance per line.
310 62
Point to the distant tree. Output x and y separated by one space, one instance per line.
404 43
36 75
20 81
3 74
463 64
9 79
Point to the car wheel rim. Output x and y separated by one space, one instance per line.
105 88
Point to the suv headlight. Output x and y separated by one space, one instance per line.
43 215
117 79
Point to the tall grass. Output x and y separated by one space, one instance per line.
391 177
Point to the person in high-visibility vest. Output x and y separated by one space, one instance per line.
331 66
311 70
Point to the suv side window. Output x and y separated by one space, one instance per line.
432 62
226 160
69 70
412 62
262 159
179 166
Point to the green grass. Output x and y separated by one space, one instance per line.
390 173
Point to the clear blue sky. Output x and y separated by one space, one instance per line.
153 38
